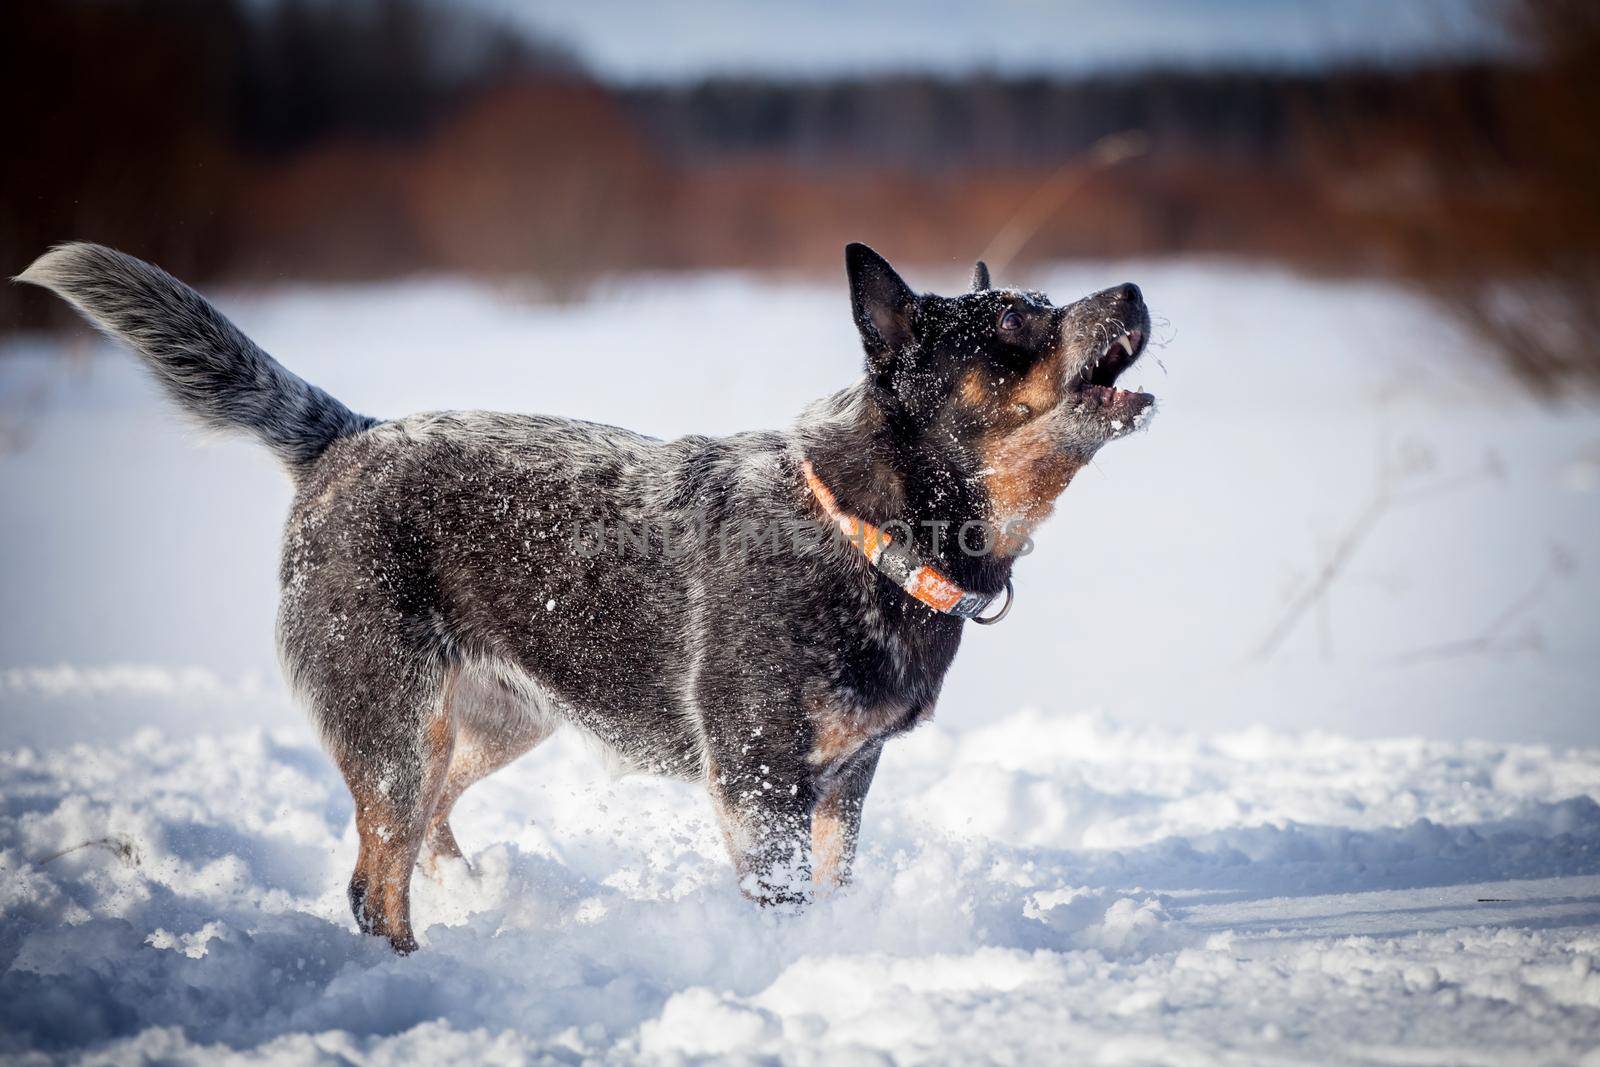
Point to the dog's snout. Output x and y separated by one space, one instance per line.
1119 301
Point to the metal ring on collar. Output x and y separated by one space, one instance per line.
1004 611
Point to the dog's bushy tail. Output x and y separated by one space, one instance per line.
202 360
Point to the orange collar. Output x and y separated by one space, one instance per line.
899 563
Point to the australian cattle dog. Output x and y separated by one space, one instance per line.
757 613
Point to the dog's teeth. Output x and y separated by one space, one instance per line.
1127 345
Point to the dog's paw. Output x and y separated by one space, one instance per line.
447 868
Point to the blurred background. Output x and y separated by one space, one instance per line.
1446 143
1371 234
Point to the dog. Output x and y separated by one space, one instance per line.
440 616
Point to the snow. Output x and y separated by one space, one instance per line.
1124 839
1170 897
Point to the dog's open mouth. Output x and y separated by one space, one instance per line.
1096 383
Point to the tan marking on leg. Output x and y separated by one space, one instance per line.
836 738
828 843
838 732
380 887
727 821
493 728
391 832
836 826
469 765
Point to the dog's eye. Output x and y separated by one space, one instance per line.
1010 322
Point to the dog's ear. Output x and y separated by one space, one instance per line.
884 305
980 276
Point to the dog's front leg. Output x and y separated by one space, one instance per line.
836 818
764 800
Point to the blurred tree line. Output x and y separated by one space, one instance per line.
368 138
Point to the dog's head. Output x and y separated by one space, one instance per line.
1006 389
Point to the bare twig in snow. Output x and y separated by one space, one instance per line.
120 847
1386 498
1493 637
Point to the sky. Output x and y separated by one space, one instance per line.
630 41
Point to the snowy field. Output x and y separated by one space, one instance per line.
1289 753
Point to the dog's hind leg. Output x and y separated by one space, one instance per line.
493 727
396 770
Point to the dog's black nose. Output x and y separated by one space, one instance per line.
1129 292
